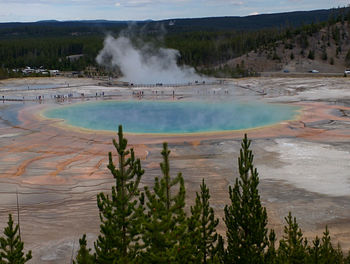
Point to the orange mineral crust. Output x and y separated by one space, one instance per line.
58 170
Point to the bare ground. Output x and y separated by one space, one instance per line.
303 164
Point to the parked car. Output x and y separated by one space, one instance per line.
314 71
347 71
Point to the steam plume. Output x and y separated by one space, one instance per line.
144 63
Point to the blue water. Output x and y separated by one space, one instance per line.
9 113
32 87
172 117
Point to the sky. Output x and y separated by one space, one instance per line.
35 10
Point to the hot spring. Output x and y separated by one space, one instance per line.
172 116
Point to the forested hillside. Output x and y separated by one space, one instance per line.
323 47
203 43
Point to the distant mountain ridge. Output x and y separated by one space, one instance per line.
253 22
220 46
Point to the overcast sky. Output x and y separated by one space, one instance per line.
34 10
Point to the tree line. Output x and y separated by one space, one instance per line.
202 49
50 52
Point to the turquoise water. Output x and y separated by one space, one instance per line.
172 117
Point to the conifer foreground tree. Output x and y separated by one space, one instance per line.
314 251
11 246
245 218
271 253
165 226
204 225
84 256
120 213
292 248
328 254
155 229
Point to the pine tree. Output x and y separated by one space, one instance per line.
292 249
84 256
271 253
11 246
323 252
165 228
120 213
203 218
311 55
327 253
220 250
324 55
292 56
245 218
347 259
314 251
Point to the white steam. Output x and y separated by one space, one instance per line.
144 64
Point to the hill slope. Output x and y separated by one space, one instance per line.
325 50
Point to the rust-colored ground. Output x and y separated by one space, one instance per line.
57 171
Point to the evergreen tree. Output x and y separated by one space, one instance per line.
327 253
292 56
220 250
271 254
11 246
84 256
311 55
347 258
347 59
120 213
324 56
205 231
165 232
245 218
292 249
314 252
